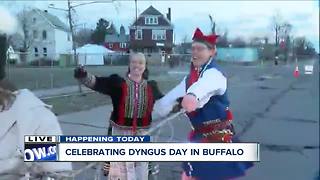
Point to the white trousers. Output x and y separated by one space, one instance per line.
128 170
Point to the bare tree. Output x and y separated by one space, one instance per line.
286 28
276 23
255 41
282 30
25 34
303 46
185 39
223 40
83 36
238 42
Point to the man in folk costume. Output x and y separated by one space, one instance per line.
22 113
204 97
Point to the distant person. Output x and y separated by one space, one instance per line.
212 119
133 97
276 58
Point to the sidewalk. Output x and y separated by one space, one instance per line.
44 93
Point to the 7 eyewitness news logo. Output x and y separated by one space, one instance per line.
40 148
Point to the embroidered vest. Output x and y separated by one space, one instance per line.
216 107
136 104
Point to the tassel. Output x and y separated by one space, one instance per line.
229 114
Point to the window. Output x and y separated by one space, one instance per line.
68 37
35 34
45 52
123 45
44 34
36 52
158 34
110 45
34 20
138 34
151 20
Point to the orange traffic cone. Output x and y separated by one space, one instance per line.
296 72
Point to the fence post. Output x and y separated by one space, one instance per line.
110 59
51 79
51 73
78 64
8 65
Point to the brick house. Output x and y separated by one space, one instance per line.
152 32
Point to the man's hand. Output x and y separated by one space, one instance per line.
189 102
80 73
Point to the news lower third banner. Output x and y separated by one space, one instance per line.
132 148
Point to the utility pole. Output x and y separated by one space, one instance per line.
136 28
73 42
72 31
72 27
136 8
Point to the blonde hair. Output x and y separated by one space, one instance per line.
141 56
138 55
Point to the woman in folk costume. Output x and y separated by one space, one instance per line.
22 113
210 118
133 98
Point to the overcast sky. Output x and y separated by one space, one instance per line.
241 18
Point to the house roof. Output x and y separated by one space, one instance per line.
54 20
151 11
141 22
116 38
162 20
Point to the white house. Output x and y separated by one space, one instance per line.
50 36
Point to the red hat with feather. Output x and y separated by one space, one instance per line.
209 40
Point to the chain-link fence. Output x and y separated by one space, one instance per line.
27 70
19 59
56 70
